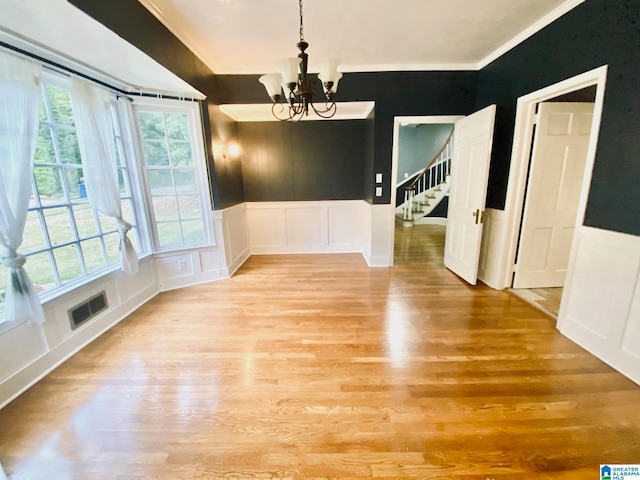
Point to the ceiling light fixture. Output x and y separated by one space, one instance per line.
298 87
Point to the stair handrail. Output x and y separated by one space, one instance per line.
410 193
412 186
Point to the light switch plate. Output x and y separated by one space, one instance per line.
378 178
378 191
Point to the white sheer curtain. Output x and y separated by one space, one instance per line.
92 116
19 123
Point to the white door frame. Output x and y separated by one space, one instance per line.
523 136
397 123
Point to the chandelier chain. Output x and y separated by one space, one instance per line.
301 27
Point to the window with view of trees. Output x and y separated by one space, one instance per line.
64 238
172 177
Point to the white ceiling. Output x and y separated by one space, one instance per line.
62 33
249 36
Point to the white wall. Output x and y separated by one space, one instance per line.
333 226
492 258
601 301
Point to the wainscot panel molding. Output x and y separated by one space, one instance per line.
493 249
333 226
230 225
382 228
28 351
600 307
194 266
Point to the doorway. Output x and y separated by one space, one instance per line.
421 242
585 88
555 175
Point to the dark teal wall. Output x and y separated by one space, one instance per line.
284 161
394 94
596 33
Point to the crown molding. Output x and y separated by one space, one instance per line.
192 44
189 41
549 18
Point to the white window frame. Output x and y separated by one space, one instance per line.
191 108
135 197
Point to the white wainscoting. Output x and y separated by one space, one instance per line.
230 225
306 227
379 250
600 307
183 268
492 250
28 351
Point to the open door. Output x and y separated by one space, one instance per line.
558 162
468 192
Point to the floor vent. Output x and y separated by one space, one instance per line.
88 309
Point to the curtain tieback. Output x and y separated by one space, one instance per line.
10 258
123 226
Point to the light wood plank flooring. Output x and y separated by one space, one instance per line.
546 299
318 367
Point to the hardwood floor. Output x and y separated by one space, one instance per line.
318 367
546 299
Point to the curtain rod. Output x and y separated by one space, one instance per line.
118 91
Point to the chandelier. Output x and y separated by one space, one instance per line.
297 87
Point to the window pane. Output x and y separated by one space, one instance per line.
75 183
92 252
155 153
60 105
127 210
151 124
193 231
49 185
189 207
108 224
58 225
39 269
43 110
160 182
165 208
44 147
68 146
85 221
32 236
122 183
112 244
180 154
169 234
185 180
177 126
68 262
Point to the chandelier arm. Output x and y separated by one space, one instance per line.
330 110
277 110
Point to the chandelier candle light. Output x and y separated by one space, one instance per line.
298 87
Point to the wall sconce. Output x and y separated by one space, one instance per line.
231 150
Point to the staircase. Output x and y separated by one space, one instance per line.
427 188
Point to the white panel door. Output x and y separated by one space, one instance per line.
469 175
556 173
